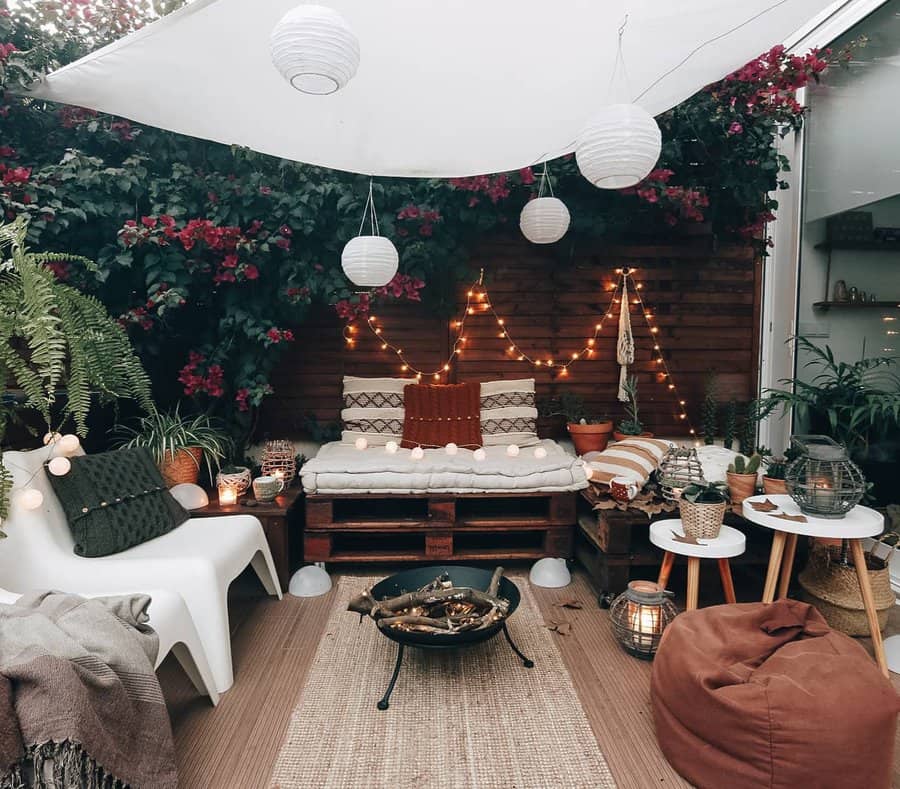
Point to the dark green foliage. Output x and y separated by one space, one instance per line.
729 424
709 493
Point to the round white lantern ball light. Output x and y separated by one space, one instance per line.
391 447
59 467
479 454
544 220
513 450
417 453
619 146
314 49
31 498
69 444
370 261
451 448
361 443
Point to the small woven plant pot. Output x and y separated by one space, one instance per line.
184 466
834 590
740 486
239 479
702 521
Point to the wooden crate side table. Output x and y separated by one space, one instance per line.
855 526
276 518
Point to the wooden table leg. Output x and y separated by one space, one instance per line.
778 540
727 582
693 583
859 561
665 569
787 565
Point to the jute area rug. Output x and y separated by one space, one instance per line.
469 718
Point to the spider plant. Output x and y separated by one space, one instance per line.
166 434
852 402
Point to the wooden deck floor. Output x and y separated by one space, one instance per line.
234 745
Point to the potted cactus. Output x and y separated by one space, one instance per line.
742 477
773 479
702 507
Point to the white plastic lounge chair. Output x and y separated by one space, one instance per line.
198 560
170 619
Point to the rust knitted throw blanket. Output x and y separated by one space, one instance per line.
437 415
80 705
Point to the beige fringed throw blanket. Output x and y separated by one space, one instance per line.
80 705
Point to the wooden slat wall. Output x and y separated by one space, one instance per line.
706 305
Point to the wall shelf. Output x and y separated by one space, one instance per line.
857 305
861 246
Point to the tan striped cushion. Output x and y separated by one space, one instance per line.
634 458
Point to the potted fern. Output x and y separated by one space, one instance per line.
631 425
702 508
588 433
179 443
742 477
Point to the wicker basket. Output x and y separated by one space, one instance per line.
702 521
834 590
239 479
184 466
279 459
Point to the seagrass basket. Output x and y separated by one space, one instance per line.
183 466
833 588
700 520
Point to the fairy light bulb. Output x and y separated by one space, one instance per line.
404 367
51 438
437 376
69 444
446 366
384 346
417 453
59 467
31 498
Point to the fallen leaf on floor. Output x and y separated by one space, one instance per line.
569 602
764 506
563 628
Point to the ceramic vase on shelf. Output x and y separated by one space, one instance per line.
840 291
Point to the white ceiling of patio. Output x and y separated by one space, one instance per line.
450 88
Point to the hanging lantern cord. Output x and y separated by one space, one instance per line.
369 209
545 181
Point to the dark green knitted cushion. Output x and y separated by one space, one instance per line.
115 500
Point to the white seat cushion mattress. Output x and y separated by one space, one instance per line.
341 468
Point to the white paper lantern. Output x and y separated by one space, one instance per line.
418 453
512 450
59 467
544 220
69 444
361 443
391 447
370 261
619 146
479 454
451 448
314 49
31 498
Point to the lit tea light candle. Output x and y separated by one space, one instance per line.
278 473
227 495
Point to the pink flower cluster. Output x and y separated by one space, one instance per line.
679 202
496 187
70 117
425 217
246 396
275 335
402 286
6 50
200 378
161 299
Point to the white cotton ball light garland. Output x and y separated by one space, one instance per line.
59 467
540 453
51 438
479 454
513 450
391 447
451 448
418 453
361 443
69 444
31 498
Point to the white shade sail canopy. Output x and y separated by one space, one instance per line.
443 88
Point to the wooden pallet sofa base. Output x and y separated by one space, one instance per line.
438 527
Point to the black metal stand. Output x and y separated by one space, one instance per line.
525 661
385 700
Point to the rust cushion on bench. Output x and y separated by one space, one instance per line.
758 696
440 414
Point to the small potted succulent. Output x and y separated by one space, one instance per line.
631 425
702 507
742 477
589 433
773 479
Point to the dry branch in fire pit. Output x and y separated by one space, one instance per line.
437 607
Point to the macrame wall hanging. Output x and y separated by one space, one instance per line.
625 342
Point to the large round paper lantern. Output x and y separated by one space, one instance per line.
619 146
370 261
544 220
314 49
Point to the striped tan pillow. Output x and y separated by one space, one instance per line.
508 413
635 458
373 409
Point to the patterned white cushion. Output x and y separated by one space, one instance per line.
635 458
508 413
373 409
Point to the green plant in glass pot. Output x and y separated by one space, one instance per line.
631 425
588 433
179 443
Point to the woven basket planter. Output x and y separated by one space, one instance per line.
834 590
702 521
184 466
239 479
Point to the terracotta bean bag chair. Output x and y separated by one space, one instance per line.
760 696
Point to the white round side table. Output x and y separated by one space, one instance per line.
669 535
856 525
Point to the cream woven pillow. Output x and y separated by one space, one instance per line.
373 409
508 413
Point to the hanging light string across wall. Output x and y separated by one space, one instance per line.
478 300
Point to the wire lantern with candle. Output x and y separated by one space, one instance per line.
679 468
279 460
822 480
640 615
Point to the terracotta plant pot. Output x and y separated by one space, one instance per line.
622 436
183 467
590 438
773 486
740 486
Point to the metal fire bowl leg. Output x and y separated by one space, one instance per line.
385 700
525 661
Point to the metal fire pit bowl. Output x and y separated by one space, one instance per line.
474 577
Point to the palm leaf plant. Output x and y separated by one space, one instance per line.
59 348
